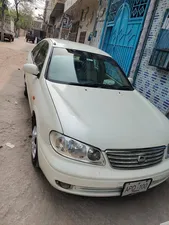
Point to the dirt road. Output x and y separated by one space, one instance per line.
26 198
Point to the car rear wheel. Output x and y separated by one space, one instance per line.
34 153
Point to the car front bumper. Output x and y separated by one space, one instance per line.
95 181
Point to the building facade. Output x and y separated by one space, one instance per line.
75 20
37 24
122 30
99 23
152 75
82 16
53 14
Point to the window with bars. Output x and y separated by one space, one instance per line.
160 54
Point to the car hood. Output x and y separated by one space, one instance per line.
109 119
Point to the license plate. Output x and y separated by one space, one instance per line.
135 187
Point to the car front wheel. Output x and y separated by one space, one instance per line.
25 92
34 154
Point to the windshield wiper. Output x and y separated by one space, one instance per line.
99 85
84 84
115 87
125 87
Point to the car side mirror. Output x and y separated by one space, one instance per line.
31 69
131 80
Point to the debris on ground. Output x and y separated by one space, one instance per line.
1 146
10 145
16 103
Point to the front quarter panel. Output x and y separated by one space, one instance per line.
42 105
46 115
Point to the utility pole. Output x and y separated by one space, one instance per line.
3 7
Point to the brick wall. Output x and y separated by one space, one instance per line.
153 83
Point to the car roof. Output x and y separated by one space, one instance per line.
76 46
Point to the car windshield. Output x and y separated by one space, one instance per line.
86 69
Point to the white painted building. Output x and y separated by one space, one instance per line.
38 24
81 20
83 14
53 16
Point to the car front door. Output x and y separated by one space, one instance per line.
37 57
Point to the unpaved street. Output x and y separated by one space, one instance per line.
26 198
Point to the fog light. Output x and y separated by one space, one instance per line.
63 185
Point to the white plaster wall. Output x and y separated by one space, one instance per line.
100 23
84 26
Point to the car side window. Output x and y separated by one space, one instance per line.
41 56
36 49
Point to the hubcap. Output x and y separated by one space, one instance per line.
34 142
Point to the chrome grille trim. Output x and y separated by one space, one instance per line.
128 159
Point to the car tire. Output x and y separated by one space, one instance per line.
34 152
25 91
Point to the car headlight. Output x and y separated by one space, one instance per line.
76 150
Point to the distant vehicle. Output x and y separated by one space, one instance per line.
34 34
8 30
93 134
167 115
30 37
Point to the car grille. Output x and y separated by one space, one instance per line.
135 158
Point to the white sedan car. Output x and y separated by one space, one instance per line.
92 133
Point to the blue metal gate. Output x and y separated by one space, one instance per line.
124 23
